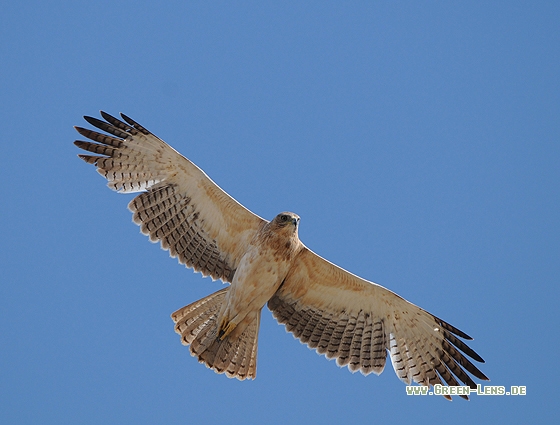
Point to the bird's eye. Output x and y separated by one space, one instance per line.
283 217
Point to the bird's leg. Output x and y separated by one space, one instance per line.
226 327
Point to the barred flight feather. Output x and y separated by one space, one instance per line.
134 160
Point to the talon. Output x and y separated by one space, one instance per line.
226 330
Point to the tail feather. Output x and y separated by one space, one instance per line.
238 364
248 363
190 321
234 362
235 355
204 339
225 353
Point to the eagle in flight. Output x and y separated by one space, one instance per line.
333 311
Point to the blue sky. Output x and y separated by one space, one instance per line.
418 141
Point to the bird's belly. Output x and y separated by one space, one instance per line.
256 279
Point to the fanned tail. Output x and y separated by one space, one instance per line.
235 355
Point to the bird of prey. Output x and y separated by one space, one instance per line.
344 317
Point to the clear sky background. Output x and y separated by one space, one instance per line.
418 141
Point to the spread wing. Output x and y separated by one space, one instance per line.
358 322
180 206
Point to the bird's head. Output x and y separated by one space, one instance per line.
286 221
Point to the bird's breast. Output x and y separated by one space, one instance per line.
258 276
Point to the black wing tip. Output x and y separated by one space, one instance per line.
461 346
83 131
115 126
94 121
457 332
452 329
110 126
471 353
134 124
90 159
106 116
127 119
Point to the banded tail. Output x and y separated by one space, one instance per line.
235 355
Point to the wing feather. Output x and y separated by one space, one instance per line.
343 357
180 207
359 323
